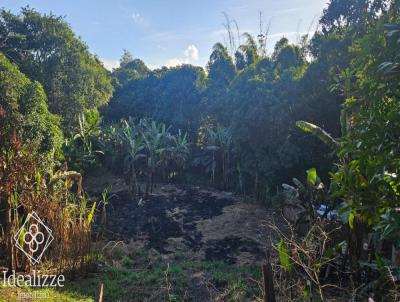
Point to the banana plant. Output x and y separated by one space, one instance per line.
180 149
224 139
79 149
153 135
306 199
105 199
134 146
175 154
218 142
211 146
89 126
320 133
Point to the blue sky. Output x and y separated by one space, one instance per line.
169 32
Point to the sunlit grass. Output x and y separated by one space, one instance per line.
11 294
160 282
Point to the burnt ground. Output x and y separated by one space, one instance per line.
212 241
198 223
195 222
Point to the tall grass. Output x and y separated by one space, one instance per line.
26 187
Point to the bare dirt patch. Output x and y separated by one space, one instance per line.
200 223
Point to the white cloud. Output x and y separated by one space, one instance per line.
109 63
176 62
152 67
192 52
139 19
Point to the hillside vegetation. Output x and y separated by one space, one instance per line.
130 168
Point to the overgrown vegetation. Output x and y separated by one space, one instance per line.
247 123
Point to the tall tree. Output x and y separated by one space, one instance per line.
171 95
221 72
45 48
24 114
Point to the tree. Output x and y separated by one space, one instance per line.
30 140
128 71
221 72
178 98
247 53
169 95
126 58
45 49
260 123
289 56
366 180
24 113
342 14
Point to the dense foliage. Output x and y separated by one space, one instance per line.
367 176
171 96
30 144
248 122
24 113
46 50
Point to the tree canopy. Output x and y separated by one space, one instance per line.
45 49
24 113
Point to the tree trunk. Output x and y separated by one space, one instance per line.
256 185
223 171
268 280
213 169
148 183
134 181
152 180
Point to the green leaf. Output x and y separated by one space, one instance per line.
38 181
318 132
351 220
21 236
284 255
380 262
91 213
306 292
311 176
